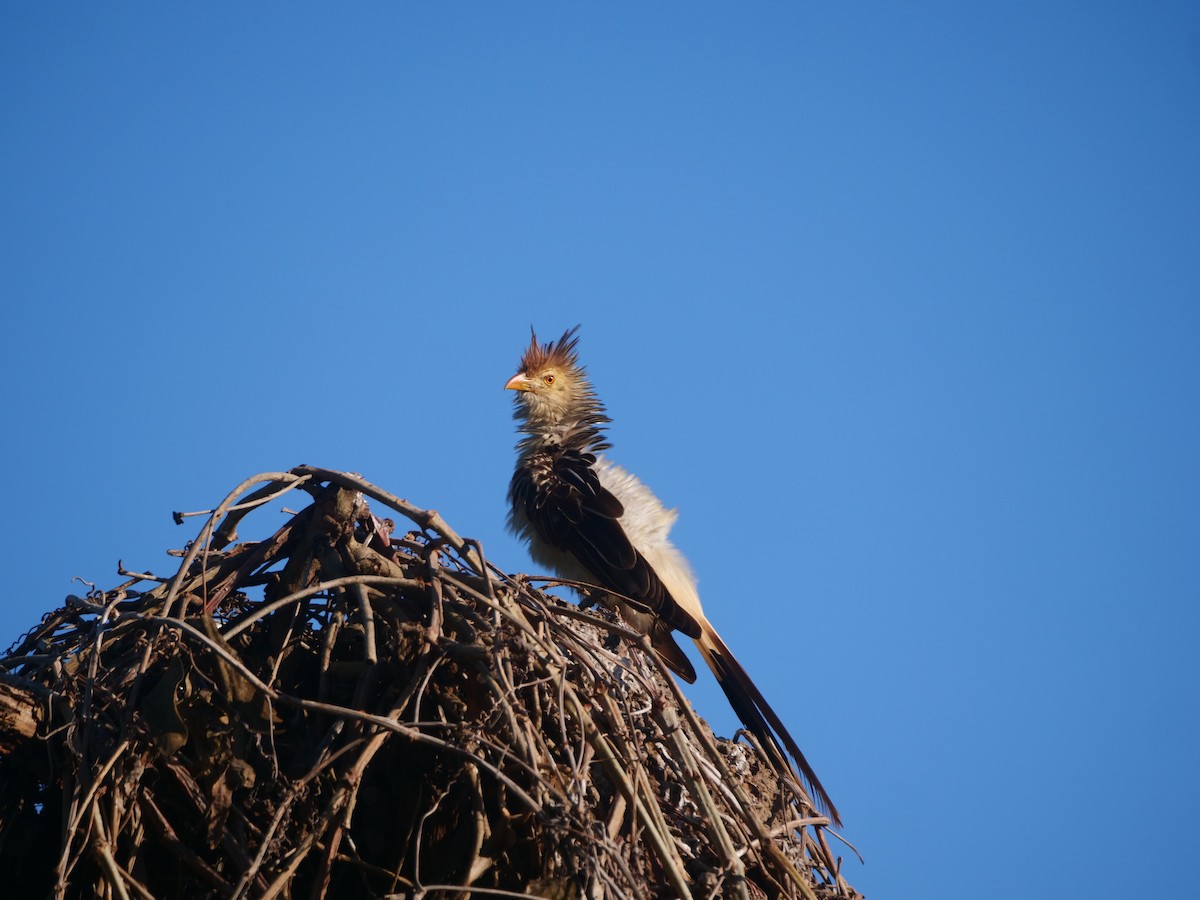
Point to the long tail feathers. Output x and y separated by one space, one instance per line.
758 717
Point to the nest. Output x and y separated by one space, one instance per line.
338 711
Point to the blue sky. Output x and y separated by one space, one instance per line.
899 303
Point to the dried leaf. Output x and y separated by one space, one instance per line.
160 709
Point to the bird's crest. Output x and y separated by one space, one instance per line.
560 353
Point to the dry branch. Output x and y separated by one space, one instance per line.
337 711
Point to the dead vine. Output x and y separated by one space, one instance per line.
337 711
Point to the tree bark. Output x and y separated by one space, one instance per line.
22 708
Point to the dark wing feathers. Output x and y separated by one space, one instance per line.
565 503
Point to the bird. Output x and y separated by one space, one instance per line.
591 521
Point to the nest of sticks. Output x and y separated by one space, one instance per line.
340 710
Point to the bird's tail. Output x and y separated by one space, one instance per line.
758 717
662 638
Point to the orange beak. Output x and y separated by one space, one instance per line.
519 382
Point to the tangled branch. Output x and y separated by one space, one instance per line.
338 711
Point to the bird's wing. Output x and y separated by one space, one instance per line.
568 508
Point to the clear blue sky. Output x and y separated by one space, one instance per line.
899 303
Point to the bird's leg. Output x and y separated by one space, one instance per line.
589 598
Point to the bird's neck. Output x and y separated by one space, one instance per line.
583 432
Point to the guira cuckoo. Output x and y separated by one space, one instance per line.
589 520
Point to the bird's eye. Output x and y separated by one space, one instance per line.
549 379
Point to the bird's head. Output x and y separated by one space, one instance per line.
552 388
